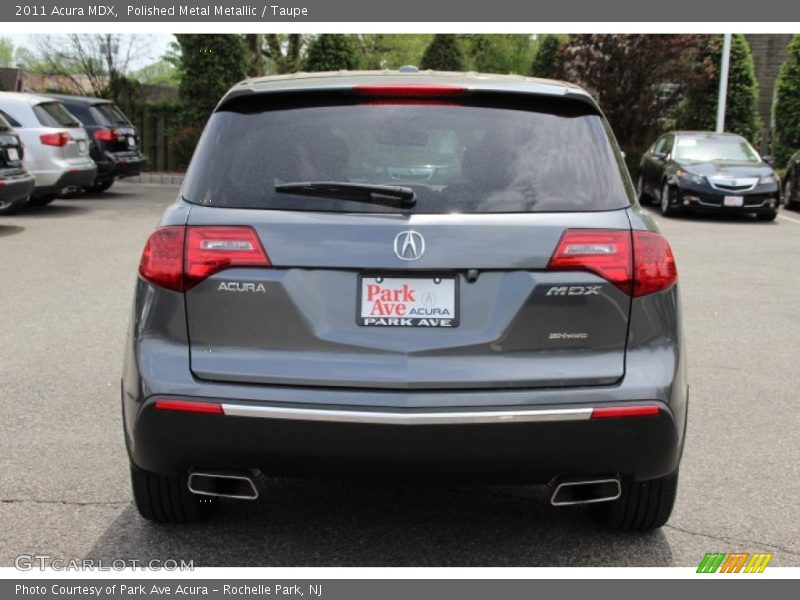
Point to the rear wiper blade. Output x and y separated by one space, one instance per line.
356 192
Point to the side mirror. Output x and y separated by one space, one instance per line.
770 160
659 155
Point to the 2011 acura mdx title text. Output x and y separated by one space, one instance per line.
407 273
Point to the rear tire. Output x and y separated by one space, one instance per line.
643 506
166 499
788 201
41 200
644 197
99 188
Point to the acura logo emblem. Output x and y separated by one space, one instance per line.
409 245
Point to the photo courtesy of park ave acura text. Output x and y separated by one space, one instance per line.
398 299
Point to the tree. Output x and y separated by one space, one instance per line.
331 52
787 106
443 54
635 78
160 72
499 53
699 108
545 63
6 52
209 66
392 50
274 53
95 64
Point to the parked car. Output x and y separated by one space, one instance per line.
16 184
56 145
791 182
711 172
298 311
114 143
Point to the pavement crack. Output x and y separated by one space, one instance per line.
61 502
730 540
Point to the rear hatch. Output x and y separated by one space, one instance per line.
472 286
118 134
67 136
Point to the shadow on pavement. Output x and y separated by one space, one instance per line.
56 209
321 523
6 230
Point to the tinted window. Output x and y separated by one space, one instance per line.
53 114
710 149
82 112
11 120
110 114
540 156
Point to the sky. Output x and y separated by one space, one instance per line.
156 47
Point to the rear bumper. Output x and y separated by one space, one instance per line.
77 176
515 444
14 189
112 165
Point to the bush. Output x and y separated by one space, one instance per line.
699 107
331 52
183 143
787 107
443 54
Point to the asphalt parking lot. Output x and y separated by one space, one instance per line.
66 278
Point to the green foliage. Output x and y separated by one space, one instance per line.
699 108
392 50
545 63
209 66
787 107
443 54
161 72
495 53
332 52
6 52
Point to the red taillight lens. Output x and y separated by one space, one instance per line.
653 263
178 258
605 252
104 135
162 258
61 138
617 412
187 406
211 249
410 90
638 263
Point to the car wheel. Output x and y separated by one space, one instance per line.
41 200
9 208
666 208
99 188
643 505
166 499
767 216
644 199
788 201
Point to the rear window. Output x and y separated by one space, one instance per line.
477 156
109 114
53 114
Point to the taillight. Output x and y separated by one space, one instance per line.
62 138
104 135
638 263
189 406
653 263
617 412
178 258
410 90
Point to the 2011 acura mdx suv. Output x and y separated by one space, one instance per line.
325 297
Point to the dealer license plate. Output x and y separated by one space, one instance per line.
407 301
13 154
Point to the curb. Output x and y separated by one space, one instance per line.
164 178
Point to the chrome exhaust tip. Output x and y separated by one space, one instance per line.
222 485
569 492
